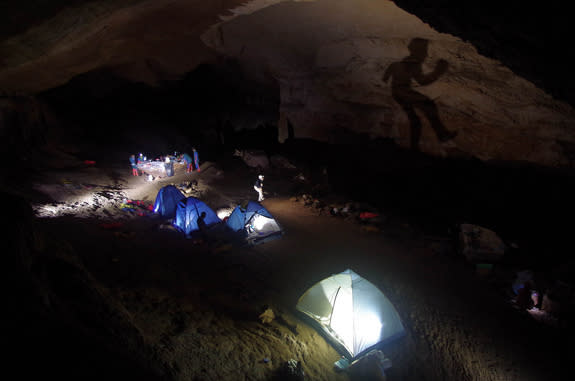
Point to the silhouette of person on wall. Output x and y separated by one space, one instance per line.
402 73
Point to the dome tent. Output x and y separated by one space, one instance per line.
254 222
353 313
167 201
187 214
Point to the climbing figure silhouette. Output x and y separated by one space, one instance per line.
402 73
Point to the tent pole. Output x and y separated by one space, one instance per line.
334 299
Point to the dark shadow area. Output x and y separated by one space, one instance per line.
265 136
522 203
402 74
291 370
41 343
58 350
214 108
21 18
528 38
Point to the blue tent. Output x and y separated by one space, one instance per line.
187 214
254 222
167 201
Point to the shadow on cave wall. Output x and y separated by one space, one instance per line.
402 75
529 38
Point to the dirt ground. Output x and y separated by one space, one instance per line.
174 309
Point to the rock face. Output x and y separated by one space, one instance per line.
344 68
144 41
23 121
331 59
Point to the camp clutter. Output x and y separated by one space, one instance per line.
249 223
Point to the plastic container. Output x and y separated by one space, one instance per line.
341 364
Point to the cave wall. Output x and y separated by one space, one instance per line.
144 41
505 91
214 107
24 122
330 59
531 39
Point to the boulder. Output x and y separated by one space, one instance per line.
479 244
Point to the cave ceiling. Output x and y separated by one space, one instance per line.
506 89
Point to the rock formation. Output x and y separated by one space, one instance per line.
328 59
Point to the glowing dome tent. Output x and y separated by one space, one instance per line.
255 222
187 214
167 201
353 313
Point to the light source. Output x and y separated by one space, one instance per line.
259 222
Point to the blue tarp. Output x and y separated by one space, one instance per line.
167 201
187 214
254 221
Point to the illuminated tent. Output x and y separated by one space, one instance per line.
353 313
167 201
254 222
187 214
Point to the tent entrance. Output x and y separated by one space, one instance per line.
259 225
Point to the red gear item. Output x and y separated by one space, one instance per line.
367 215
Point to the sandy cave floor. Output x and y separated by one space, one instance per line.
197 305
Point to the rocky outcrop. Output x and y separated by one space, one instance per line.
330 61
144 41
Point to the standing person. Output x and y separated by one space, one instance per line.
259 187
188 162
196 159
134 165
169 166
